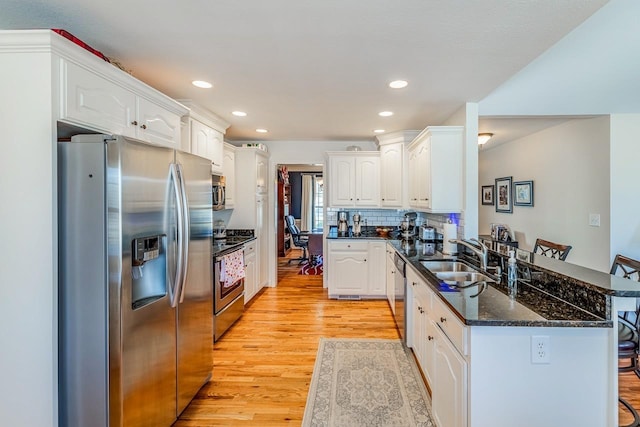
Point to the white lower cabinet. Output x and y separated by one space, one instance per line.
449 389
442 362
250 269
356 268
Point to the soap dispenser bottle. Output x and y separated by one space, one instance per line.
512 276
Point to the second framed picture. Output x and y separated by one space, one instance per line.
504 198
523 193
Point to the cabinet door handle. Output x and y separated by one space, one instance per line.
414 283
429 337
443 319
135 123
383 200
365 260
143 126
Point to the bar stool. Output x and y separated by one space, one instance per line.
551 250
628 328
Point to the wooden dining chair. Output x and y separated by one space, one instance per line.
628 328
551 250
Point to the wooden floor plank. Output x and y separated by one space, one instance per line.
263 364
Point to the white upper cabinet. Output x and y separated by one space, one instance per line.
229 172
391 187
205 132
435 169
354 179
106 99
393 168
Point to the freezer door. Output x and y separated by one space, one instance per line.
142 239
195 309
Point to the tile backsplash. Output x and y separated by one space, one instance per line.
393 217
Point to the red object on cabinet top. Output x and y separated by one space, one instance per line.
69 36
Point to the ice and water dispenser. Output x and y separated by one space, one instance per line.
148 270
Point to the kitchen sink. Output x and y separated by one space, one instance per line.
446 266
462 276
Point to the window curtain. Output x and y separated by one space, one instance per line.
306 206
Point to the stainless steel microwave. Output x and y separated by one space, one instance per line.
217 192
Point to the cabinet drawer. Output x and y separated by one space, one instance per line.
453 328
349 245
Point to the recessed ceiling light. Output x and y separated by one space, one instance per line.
398 84
261 130
202 84
385 113
378 131
239 113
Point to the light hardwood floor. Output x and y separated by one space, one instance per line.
263 364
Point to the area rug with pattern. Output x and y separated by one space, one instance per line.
366 383
313 268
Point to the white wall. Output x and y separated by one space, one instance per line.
569 165
467 116
625 192
28 248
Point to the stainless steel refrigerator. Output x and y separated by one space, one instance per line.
135 281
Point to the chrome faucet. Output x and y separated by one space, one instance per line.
482 252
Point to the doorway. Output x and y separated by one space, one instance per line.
300 193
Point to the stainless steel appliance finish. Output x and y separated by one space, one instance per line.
427 232
343 222
135 294
400 295
228 302
357 229
218 192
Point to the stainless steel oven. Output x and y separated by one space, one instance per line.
218 190
228 290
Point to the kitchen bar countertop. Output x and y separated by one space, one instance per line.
493 307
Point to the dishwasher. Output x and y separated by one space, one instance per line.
400 282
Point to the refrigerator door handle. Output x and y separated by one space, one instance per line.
185 235
174 289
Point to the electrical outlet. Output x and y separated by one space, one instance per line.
594 220
540 349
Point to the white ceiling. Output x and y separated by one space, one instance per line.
312 69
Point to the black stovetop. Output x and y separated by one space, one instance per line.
229 244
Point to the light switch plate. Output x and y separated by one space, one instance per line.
594 220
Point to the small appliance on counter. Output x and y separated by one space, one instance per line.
219 230
343 222
427 232
408 225
357 230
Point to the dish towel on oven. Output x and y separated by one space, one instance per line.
232 268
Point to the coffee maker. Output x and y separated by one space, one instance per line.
343 222
408 225
356 225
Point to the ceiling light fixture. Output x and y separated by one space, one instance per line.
260 130
378 130
202 84
239 113
385 113
484 137
398 84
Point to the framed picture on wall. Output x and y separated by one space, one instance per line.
504 200
523 193
487 195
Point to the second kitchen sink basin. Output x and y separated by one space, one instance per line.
462 276
446 266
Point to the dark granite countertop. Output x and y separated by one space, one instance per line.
493 307
601 282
